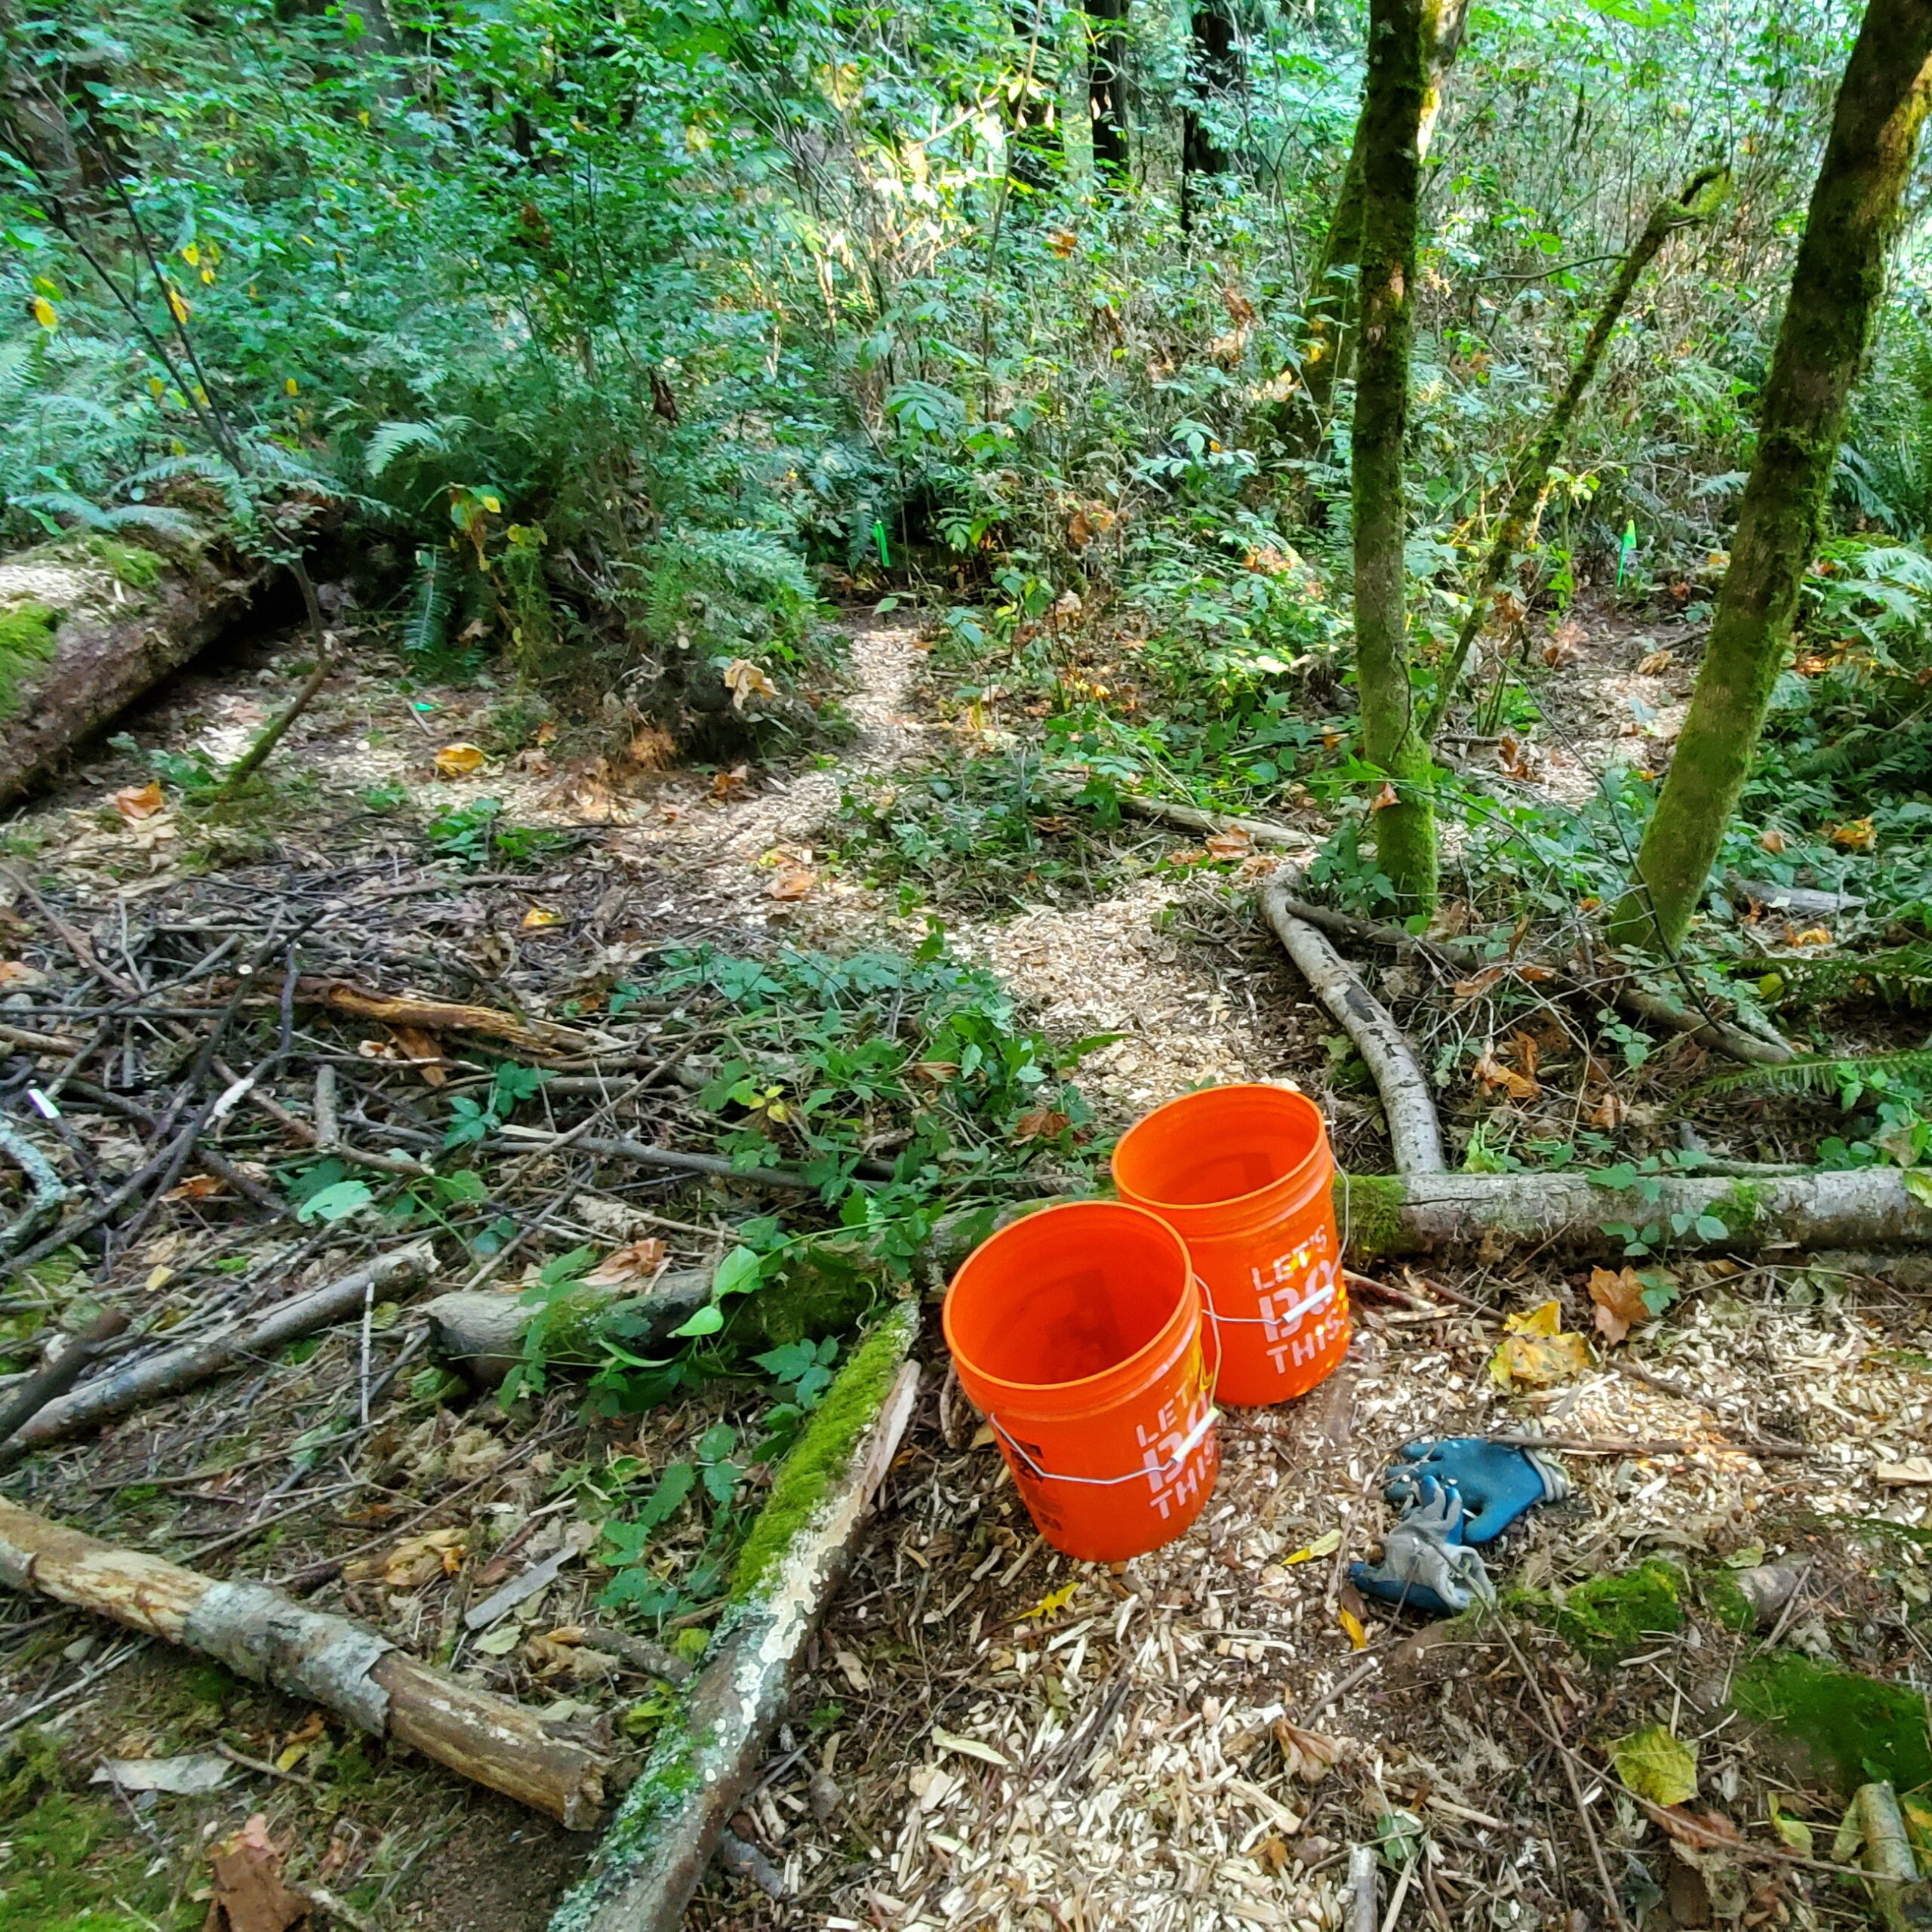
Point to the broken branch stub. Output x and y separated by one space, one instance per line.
266 1637
1415 1134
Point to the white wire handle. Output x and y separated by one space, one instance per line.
1190 1442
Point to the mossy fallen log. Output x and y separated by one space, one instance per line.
709 1749
1384 1216
89 624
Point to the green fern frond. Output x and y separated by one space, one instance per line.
389 441
1901 976
1828 1073
427 628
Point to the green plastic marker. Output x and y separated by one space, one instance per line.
884 556
1624 549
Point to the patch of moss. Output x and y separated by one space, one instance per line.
1611 1618
1742 1210
824 1452
669 1775
1719 1593
138 568
828 1287
27 643
71 1863
1368 1211
1849 1729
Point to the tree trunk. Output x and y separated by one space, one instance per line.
1034 151
1837 283
1303 420
1400 34
1106 85
83 633
1215 70
1665 219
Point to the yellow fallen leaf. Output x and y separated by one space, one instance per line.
540 915
460 760
43 313
159 1278
1324 1544
1535 1351
1352 1624
1054 1600
1813 936
1857 834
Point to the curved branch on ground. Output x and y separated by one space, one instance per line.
50 1190
1415 1134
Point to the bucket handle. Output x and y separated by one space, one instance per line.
1319 1298
1192 1441
1210 1330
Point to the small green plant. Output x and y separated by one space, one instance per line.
472 1120
472 835
711 1477
1645 1180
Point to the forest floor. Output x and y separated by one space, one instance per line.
986 1733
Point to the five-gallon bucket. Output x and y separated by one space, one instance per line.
1243 1174
1078 1332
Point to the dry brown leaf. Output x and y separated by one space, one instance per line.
639 1262
1772 840
249 1895
1241 310
415 1561
196 1187
1513 754
136 802
938 1071
651 750
1619 1301
1232 844
17 972
743 679
1063 241
1609 1111
731 784
1524 1046
1654 664
1307 1754
791 881
1079 527
1384 798
1479 983
459 760
1492 1075
1258 865
1042 1123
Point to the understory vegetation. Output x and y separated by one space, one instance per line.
1374 420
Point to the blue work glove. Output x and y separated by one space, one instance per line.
1425 1563
1496 1481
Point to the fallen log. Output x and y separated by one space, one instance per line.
1415 1134
1192 818
269 1638
430 1016
1573 1213
178 1368
87 626
708 1752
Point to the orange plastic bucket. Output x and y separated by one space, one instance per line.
1243 1174
1079 1332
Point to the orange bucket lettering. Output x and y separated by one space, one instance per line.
1079 1333
1244 1175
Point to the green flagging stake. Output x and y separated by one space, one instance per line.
1624 549
885 555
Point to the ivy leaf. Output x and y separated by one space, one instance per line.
1656 1764
335 1203
737 1274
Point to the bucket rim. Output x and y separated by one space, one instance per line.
1186 1301
1317 1149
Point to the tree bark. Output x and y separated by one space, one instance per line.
1215 70
1106 85
1835 287
1533 478
265 1636
1400 35
1303 419
86 644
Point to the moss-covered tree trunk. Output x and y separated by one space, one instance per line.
1835 287
1106 85
1401 33
1325 339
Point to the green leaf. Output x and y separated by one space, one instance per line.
706 1321
737 1274
1917 1183
717 1442
335 1203
1656 1764
1710 1227
673 1486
